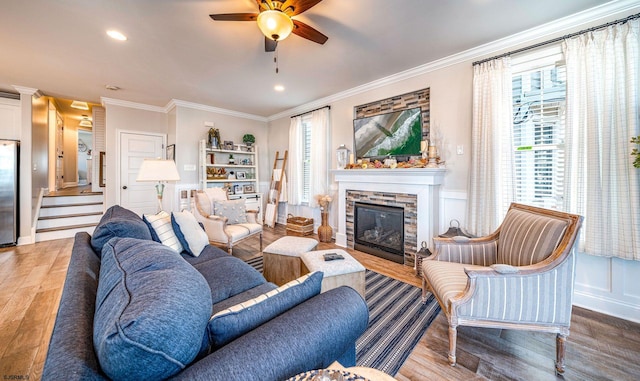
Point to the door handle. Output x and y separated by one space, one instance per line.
124 187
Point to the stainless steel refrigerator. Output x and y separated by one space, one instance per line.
9 159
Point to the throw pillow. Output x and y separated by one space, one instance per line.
160 224
235 321
234 210
189 232
118 222
152 309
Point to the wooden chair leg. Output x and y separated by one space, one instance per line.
261 242
453 335
560 349
424 291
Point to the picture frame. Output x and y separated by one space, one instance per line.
171 152
241 175
228 145
237 189
248 188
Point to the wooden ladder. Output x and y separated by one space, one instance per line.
273 197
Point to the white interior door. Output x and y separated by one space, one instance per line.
139 197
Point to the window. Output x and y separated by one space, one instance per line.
306 163
539 105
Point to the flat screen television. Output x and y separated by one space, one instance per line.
397 133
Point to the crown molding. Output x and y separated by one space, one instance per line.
139 106
196 106
30 91
564 24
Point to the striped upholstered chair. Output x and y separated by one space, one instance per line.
519 277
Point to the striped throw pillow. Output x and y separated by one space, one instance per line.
161 225
235 321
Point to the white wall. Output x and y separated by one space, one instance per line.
604 284
132 119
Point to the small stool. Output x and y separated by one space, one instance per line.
282 258
339 272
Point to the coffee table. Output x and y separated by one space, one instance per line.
282 258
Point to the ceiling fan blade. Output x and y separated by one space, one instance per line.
305 31
235 17
270 45
297 6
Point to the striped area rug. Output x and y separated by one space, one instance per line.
397 321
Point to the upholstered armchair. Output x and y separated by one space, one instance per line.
519 277
225 221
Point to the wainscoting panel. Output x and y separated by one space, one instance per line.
453 206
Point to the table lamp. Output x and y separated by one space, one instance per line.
160 171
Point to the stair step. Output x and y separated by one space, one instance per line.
69 200
70 215
68 220
70 227
65 233
65 205
53 211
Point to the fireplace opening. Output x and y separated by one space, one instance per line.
379 230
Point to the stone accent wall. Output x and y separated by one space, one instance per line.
402 200
419 98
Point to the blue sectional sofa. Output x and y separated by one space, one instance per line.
133 308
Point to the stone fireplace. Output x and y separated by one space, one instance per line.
414 190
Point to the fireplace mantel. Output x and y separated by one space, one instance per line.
424 183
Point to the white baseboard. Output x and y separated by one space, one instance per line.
607 306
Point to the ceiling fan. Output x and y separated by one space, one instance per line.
275 21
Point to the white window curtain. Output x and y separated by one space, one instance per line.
491 179
295 185
602 116
319 154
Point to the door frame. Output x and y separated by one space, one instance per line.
119 133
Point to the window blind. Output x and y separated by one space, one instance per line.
539 106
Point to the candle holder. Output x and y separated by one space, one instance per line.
432 157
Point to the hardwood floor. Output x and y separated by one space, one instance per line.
600 347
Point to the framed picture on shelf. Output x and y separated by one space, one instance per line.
240 175
248 188
237 189
228 145
171 152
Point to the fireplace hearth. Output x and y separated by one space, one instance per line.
379 230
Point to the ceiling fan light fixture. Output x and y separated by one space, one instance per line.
275 24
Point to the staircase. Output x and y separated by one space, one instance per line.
64 216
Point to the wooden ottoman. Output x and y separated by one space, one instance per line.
340 272
282 258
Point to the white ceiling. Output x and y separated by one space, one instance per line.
175 51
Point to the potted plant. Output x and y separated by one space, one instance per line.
248 139
231 159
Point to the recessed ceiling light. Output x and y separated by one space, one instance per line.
111 87
278 88
80 105
116 35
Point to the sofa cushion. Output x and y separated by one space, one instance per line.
191 235
528 238
152 309
234 210
118 222
237 320
228 276
160 224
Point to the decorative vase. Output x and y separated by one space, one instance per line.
324 230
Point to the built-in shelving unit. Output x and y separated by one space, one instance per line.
239 176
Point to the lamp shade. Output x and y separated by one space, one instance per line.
158 170
275 25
